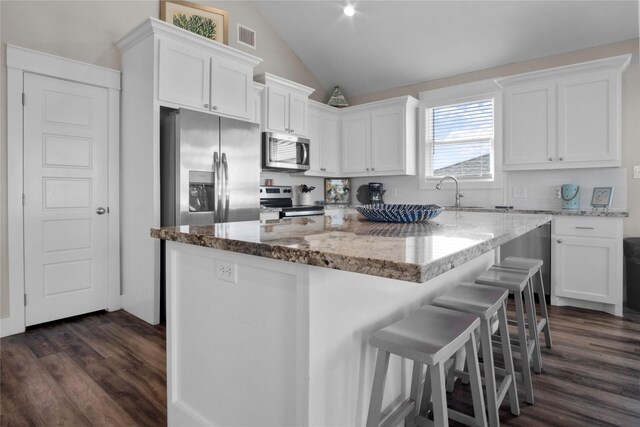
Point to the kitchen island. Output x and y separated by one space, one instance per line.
268 322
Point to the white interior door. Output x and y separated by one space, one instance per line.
65 186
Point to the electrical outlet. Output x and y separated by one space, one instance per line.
226 271
519 192
636 172
558 193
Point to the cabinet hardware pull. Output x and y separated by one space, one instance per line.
367 168
215 107
585 228
561 159
372 169
551 159
559 241
291 130
206 105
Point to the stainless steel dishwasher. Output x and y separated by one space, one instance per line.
534 244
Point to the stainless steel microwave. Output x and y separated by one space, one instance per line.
281 152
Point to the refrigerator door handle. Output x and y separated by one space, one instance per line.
216 190
225 168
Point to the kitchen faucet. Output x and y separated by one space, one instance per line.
458 193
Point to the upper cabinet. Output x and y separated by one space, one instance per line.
380 138
285 105
566 117
324 134
202 75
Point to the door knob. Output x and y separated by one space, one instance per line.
559 241
101 211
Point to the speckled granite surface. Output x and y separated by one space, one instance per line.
345 241
563 212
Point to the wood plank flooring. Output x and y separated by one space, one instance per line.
109 369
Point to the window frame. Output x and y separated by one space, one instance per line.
457 95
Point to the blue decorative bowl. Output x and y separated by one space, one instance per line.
399 213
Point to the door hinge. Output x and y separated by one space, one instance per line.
25 300
107 209
22 98
23 197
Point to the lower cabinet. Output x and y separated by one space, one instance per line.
587 263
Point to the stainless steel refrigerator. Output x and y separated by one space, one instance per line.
210 169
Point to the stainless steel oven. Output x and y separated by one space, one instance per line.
283 152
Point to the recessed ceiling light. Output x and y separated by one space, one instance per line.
349 10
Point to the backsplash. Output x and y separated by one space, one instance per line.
537 189
405 189
522 189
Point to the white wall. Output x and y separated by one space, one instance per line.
627 191
87 31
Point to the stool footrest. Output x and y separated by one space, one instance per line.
400 413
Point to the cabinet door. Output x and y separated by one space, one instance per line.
231 87
356 139
330 144
315 146
387 140
277 110
586 268
587 118
183 75
530 125
298 114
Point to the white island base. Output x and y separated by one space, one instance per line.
282 344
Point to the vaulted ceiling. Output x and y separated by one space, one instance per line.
388 44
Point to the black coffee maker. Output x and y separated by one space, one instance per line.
376 192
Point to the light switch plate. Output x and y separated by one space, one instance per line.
636 172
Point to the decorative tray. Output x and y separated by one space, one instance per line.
399 213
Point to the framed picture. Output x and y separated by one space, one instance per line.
337 191
205 21
602 197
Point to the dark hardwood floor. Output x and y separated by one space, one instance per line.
109 369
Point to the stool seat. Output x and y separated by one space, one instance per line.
429 335
481 300
514 281
529 265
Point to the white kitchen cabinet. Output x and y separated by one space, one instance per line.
324 134
380 138
586 258
285 105
204 79
567 117
165 66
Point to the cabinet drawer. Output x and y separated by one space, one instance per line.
587 227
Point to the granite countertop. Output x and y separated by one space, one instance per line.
565 212
346 241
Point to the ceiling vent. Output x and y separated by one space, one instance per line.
246 36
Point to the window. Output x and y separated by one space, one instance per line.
460 140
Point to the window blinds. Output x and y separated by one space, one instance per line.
460 138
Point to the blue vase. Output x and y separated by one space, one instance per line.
570 196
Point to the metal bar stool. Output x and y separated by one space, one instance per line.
532 267
487 302
528 348
429 336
